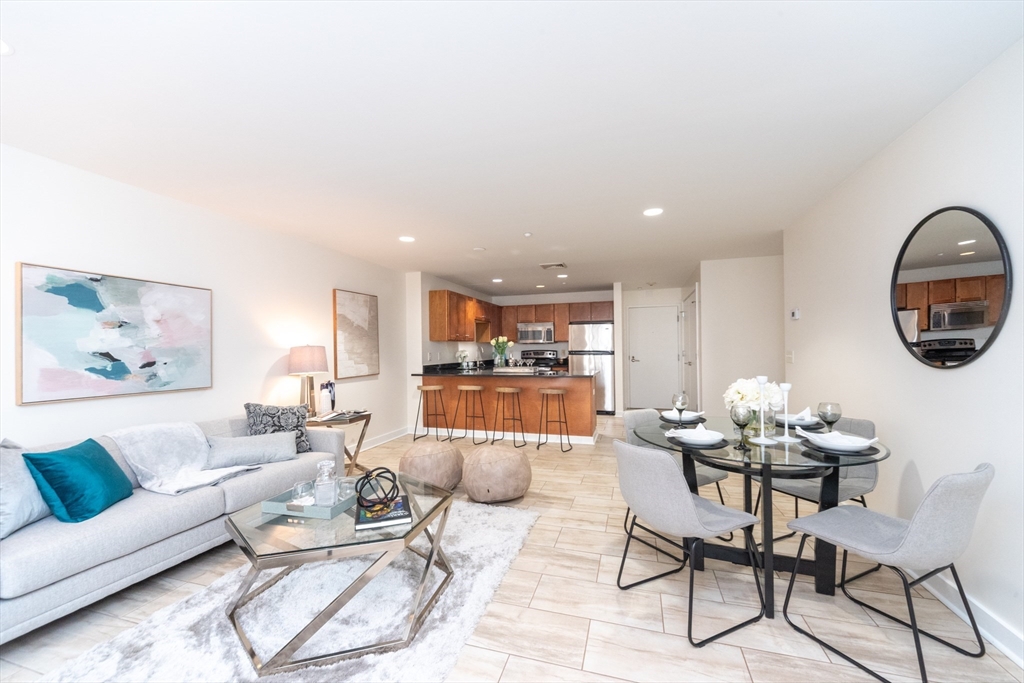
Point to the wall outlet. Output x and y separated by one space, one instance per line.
794 314
430 355
790 356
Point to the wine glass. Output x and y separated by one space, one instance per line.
302 493
679 402
741 415
829 413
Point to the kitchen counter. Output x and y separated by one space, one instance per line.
579 398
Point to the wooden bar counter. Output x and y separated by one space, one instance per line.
579 398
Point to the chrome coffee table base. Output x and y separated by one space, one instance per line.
282 661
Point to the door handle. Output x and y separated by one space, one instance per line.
633 360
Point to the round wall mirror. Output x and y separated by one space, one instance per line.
951 287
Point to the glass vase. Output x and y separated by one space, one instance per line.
754 428
500 360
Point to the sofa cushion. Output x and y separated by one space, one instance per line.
269 419
49 550
228 426
232 451
79 482
20 500
269 480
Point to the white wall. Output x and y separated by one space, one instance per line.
741 325
969 151
270 292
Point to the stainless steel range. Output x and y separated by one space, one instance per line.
544 361
947 351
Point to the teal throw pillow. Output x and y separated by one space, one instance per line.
79 482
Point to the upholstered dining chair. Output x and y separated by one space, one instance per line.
928 544
854 482
653 485
705 475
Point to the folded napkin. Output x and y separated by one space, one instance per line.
675 431
836 438
804 414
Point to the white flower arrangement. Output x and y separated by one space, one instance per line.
500 344
748 392
462 355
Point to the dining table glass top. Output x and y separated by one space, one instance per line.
781 456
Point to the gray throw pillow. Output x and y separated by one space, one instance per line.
271 419
228 451
20 500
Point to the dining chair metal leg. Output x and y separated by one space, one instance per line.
721 498
625 552
749 539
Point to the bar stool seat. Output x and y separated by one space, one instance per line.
473 400
499 408
560 420
426 391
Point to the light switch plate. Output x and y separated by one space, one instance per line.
790 356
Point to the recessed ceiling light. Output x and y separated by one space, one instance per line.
540 286
5 49
966 242
940 254
497 279
563 275
653 212
527 234
967 253
479 249
406 238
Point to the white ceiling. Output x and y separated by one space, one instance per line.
468 124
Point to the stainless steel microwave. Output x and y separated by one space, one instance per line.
964 315
535 333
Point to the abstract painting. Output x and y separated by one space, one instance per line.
356 344
85 335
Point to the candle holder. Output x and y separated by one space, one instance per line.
786 438
762 440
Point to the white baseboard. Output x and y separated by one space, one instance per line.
384 438
1003 636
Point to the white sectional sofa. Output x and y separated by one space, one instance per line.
50 568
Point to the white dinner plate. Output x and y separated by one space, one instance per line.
851 444
706 437
794 422
680 416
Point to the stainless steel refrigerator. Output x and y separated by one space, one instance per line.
592 351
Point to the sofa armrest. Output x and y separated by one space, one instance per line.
329 440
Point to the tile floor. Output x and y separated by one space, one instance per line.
558 615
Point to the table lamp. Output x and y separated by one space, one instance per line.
305 361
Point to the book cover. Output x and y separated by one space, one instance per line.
398 514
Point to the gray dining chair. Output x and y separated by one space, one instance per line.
706 476
928 544
854 482
653 485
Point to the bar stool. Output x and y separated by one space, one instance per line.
428 391
499 407
545 418
474 398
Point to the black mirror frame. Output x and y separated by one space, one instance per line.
1007 271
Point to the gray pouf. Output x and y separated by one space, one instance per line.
493 474
437 463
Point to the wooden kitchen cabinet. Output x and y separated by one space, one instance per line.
448 316
602 311
970 289
579 313
561 316
526 314
942 291
995 288
901 297
917 297
509 318
544 313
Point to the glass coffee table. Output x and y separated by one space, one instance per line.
272 541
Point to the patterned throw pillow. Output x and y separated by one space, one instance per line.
271 419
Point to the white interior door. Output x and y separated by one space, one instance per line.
653 356
691 370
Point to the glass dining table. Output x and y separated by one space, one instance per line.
778 461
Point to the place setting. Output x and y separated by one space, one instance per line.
699 438
679 415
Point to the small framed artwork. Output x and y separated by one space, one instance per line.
356 339
86 335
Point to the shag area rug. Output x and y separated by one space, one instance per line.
193 640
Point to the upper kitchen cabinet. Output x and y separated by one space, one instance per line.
509 318
561 315
602 312
941 291
579 313
526 314
450 316
545 313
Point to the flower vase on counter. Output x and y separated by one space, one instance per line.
499 360
501 346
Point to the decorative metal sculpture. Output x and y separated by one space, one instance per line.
377 490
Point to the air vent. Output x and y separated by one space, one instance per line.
553 266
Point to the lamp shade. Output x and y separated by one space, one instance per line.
306 360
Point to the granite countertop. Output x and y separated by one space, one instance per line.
488 372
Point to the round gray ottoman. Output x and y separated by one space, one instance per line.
435 462
496 473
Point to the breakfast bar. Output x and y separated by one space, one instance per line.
581 413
